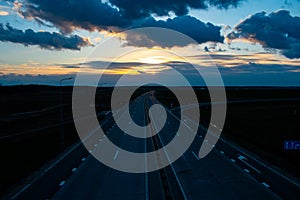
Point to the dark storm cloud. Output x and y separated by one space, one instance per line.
95 14
45 40
68 15
138 8
278 30
116 65
253 68
118 16
71 67
199 31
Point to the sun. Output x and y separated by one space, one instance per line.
150 56
154 60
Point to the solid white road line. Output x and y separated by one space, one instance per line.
251 166
24 188
195 155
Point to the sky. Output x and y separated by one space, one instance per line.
250 42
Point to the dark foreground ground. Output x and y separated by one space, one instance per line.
30 119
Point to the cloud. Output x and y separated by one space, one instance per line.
78 14
137 9
97 39
117 16
92 14
199 31
45 40
71 67
4 9
261 75
253 68
278 30
3 13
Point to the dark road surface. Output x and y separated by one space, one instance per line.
226 173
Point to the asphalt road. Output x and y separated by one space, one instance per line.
226 173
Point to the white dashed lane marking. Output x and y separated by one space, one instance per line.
62 183
265 184
116 155
244 159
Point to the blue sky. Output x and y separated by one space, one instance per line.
251 42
